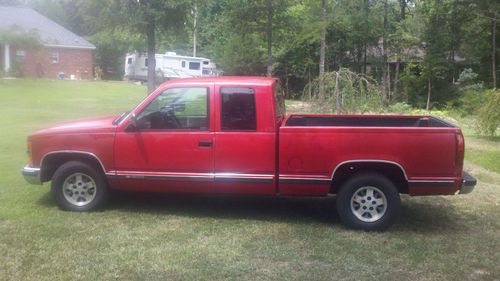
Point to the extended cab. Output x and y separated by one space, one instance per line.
230 135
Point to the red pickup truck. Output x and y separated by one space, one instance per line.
230 135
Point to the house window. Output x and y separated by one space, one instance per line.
238 109
20 55
194 65
54 57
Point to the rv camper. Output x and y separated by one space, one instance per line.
168 66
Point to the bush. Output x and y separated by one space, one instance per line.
469 102
400 108
467 80
344 91
489 114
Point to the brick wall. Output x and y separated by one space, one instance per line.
49 62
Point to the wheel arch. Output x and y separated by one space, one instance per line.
390 169
54 159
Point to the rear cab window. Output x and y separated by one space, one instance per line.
238 112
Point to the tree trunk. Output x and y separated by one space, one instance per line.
150 33
195 26
364 58
402 7
337 93
309 88
322 50
428 93
269 38
493 52
396 77
385 76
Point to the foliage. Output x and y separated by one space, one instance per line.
489 114
428 43
400 108
467 80
469 102
345 92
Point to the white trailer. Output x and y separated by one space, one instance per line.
168 66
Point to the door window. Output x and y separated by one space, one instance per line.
177 109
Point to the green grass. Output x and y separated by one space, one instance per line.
479 150
163 237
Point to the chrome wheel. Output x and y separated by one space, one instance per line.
368 204
79 189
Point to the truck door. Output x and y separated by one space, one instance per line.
244 145
171 147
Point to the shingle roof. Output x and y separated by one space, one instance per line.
51 33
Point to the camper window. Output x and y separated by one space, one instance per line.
183 64
146 62
194 65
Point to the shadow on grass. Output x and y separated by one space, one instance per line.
295 210
429 215
47 200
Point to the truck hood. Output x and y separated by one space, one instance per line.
87 125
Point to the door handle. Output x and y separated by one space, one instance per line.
205 143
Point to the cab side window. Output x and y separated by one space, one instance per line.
177 109
238 109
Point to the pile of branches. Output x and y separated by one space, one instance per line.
344 91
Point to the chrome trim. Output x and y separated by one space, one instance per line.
198 177
434 183
31 175
304 180
243 176
370 161
164 176
124 118
72 151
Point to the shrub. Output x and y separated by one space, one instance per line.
489 114
467 80
400 107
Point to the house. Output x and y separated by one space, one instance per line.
63 54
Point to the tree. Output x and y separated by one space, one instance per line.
322 48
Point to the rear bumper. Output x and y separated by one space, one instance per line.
468 183
31 175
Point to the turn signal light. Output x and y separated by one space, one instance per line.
28 151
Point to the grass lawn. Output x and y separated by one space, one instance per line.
161 237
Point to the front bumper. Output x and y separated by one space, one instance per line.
31 175
468 183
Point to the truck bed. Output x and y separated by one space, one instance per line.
313 147
365 121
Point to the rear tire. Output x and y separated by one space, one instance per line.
368 202
78 187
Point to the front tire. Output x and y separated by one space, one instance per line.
78 187
368 202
